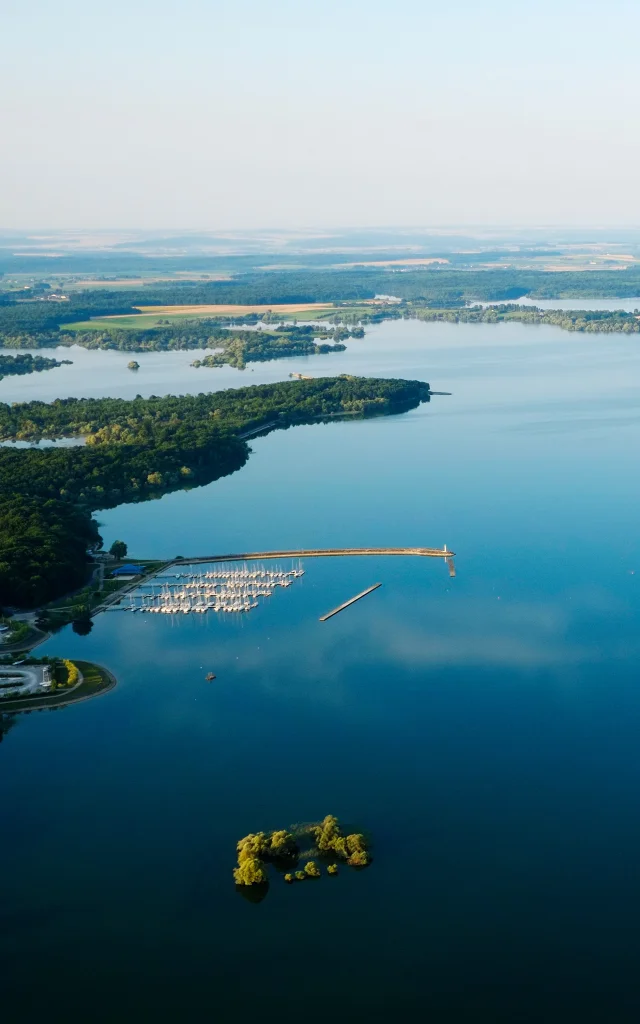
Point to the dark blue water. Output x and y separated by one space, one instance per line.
485 729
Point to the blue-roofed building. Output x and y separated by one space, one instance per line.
128 570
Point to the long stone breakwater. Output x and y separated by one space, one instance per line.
315 553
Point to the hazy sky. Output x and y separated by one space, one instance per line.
268 113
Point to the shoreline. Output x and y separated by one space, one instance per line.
62 699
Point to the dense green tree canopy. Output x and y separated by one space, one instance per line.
42 548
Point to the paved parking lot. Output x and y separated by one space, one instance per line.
34 679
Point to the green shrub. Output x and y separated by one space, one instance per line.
249 872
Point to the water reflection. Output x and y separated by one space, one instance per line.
7 723
253 893
61 442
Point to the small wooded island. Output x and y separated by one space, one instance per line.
237 348
138 449
282 849
11 366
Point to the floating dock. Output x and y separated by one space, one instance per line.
352 600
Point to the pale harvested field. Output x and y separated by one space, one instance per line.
395 263
302 307
140 282
579 268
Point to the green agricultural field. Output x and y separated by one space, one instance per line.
140 321
145 321
134 322
362 309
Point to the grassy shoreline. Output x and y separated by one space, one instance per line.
96 681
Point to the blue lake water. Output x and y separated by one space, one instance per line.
483 729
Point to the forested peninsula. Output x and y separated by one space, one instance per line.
18 365
136 450
589 320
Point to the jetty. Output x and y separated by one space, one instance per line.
352 600
316 553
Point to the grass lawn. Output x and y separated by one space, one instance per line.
95 679
86 595
137 322
147 319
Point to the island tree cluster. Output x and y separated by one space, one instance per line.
260 848
282 849
329 839
261 346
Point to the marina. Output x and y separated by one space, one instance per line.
236 595
220 590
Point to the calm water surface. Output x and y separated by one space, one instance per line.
484 729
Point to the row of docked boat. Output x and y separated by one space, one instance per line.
221 590
242 575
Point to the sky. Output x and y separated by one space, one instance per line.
233 114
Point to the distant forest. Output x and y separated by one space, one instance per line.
38 323
433 284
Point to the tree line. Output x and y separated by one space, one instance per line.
591 321
434 284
